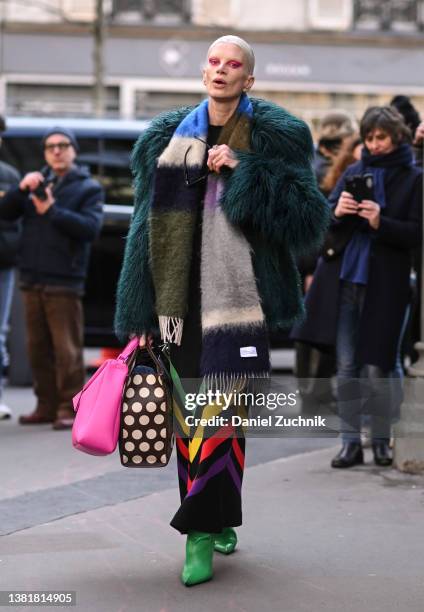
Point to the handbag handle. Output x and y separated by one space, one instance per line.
159 366
133 357
129 349
128 352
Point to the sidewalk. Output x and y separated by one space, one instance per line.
314 539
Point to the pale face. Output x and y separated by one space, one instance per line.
226 73
357 151
59 153
379 142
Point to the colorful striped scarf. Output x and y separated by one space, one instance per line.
234 335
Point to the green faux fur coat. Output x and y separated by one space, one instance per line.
271 195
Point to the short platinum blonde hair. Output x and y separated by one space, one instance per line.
242 44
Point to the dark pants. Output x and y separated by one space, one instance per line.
7 279
380 393
314 370
54 321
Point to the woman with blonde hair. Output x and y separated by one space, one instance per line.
225 198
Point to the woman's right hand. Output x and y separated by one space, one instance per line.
142 341
346 205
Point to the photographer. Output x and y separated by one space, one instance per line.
61 212
360 295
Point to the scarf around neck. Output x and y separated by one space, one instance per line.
234 338
401 156
381 165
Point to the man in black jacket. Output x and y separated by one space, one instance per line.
62 213
9 244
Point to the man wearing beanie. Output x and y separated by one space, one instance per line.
61 209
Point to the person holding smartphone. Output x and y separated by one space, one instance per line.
360 295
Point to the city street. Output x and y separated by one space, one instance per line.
313 538
241 184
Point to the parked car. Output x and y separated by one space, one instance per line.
105 147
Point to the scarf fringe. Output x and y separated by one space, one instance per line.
226 383
171 329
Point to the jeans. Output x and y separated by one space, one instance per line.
363 389
7 281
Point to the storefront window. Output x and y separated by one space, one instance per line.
389 15
150 104
33 100
152 9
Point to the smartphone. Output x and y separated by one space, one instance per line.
360 186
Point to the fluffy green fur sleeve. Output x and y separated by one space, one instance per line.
273 190
135 309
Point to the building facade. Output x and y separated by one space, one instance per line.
312 55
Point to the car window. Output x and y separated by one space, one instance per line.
25 154
109 163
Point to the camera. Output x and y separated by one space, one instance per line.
361 186
40 192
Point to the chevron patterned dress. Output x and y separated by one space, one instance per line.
210 472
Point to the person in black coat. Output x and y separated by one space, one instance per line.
9 245
412 119
360 295
61 212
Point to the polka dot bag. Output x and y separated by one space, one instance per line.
146 438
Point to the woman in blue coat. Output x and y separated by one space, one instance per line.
360 295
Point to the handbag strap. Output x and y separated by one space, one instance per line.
158 364
126 353
129 349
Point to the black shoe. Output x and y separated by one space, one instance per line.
382 453
350 454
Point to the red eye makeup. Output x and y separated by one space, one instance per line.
232 63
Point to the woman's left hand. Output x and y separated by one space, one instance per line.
221 155
371 211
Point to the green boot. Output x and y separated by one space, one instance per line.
226 541
199 553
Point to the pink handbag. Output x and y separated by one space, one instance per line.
98 406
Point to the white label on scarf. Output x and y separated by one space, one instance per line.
248 351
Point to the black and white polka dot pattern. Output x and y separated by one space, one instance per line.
146 438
